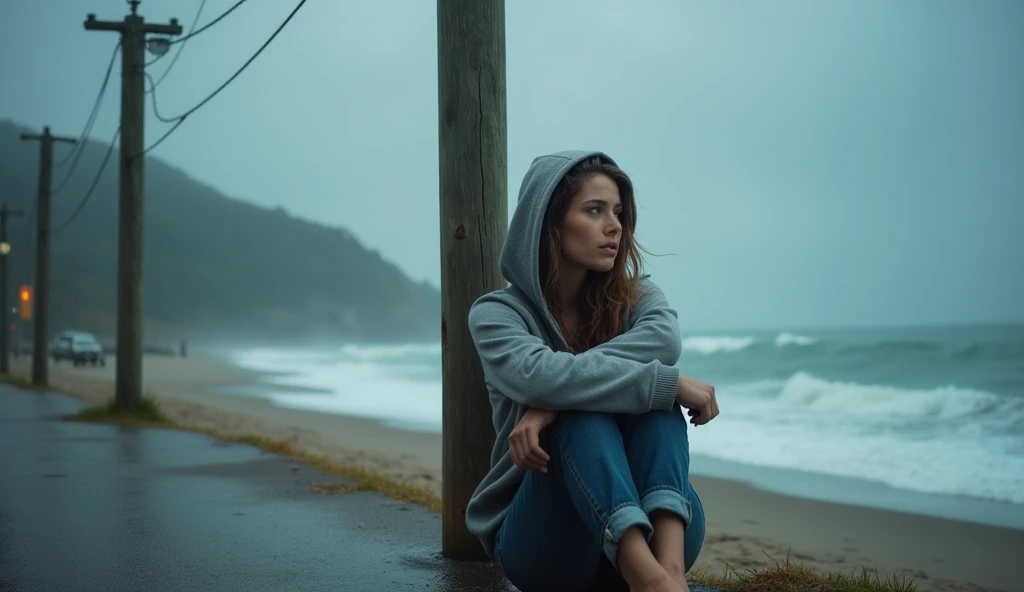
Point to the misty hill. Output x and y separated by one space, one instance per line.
215 268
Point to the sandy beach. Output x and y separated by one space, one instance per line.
745 525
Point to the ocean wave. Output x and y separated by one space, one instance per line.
790 345
283 360
713 344
997 350
783 339
882 401
956 464
947 440
279 360
390 352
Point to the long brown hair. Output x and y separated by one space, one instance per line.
607 297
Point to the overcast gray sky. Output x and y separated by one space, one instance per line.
806 162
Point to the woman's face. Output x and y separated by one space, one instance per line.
591 230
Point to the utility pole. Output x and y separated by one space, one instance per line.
5 251
133 30
474 221
42 288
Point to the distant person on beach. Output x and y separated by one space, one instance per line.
589 481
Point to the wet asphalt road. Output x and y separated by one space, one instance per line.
101 507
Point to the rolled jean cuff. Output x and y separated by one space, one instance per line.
667 499
622 519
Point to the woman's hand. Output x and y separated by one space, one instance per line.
524 441
698 398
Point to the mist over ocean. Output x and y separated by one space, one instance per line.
931 410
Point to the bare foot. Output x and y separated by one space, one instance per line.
639 568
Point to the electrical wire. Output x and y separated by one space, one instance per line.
92 188
152 94
177 54
77 150
181 118
207 25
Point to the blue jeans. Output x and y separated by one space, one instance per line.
607 473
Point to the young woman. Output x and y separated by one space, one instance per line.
589 481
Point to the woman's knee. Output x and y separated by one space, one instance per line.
587 425
588 445
671 419
655 425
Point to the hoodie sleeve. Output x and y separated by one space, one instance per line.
529 372
652 335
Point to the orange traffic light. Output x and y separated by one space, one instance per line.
25 297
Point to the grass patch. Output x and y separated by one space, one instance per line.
363 479
787 577
147 415
20 382
150 415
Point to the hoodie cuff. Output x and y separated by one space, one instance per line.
666 383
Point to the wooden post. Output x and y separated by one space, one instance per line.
41 304
128 378
5 252
474 220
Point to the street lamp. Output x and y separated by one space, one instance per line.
158 45
5 248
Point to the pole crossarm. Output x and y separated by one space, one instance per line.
135 22
91 24
46 136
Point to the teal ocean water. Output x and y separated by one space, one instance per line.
932 410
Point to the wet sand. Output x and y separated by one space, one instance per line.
747 527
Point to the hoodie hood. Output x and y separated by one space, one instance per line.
520 255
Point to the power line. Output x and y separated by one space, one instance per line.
192 34
156 111
79 147
95 108
92 188
177 54
163 137
181 118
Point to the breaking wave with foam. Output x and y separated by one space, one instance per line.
712 344
946 440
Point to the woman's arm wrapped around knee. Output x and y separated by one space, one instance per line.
525 369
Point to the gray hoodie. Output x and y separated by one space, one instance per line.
524 357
